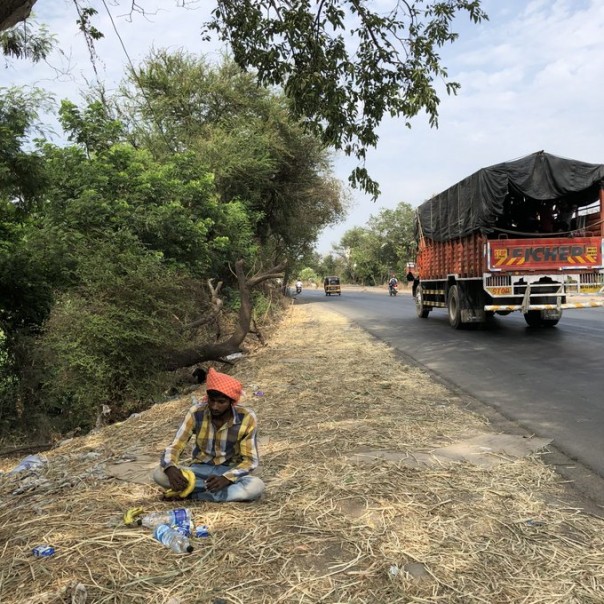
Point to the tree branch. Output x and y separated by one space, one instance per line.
219 350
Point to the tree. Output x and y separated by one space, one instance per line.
27 41
94 127
384 246
24 297
21 171
115 246
246 135
344 65
395 230
122 246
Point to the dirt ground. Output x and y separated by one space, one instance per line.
378 491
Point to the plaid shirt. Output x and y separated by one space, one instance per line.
234 443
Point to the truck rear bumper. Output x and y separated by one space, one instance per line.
511 307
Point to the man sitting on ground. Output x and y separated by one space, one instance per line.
225 450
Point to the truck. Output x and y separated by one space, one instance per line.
524 235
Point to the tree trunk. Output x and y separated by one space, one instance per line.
13 12
217 350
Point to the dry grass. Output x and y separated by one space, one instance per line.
327 530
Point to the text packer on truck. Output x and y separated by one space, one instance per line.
516 236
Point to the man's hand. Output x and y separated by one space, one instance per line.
178 482
216 483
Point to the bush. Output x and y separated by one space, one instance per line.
106 341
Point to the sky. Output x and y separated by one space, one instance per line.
531 80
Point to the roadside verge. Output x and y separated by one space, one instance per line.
361 506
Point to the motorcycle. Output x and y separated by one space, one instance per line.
392 290
298 289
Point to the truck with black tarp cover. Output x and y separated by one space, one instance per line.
523 235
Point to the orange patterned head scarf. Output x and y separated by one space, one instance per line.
224 383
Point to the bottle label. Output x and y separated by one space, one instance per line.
181 516
160 529
183 529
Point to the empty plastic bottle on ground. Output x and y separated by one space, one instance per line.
181 516
185 529
171 538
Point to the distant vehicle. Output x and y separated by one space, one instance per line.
516 236
392 289
298 287
331 285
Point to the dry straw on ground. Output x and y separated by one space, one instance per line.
327 530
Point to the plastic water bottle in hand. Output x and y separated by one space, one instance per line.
179 516
171 538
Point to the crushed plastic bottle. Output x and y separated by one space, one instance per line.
179 516
171 538
185 529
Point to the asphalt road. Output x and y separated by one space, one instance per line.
549 381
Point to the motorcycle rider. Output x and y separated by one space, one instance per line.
298 286
392 285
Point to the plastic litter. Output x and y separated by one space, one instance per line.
171 538
531 522
393 571
258 393
185 529
179 516
43 551
79 594
31 462
31 483
202 531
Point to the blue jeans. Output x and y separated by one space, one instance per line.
246 488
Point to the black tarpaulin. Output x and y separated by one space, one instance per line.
476 202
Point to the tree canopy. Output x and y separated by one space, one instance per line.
344 64
121 251
368 255
246 136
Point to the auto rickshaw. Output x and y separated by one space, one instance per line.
331 285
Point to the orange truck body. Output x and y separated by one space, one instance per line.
498 271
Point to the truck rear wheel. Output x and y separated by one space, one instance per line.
533 319
421 310
453 305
